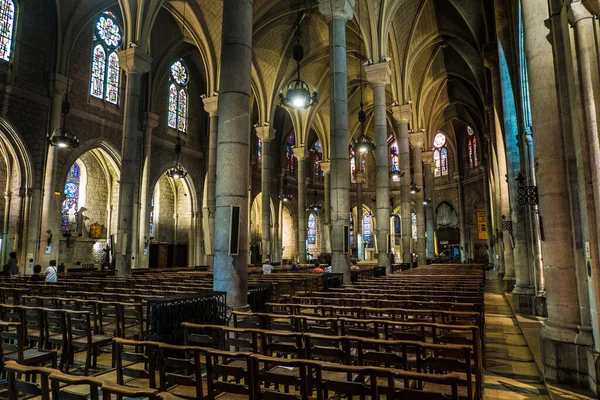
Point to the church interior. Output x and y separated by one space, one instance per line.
299 199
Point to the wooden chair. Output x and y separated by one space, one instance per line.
288 374
180 371
229 372
69 387
81 336
135 367
108 390
12 347
18 387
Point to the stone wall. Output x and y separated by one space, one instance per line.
289 240
165 228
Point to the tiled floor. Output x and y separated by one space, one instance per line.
510 369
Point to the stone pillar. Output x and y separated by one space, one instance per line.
135 63
402 116
461 217
50 202
266 134
523 292
379 76
300 155
338 12
326 168
430 193
416 141
360 178
485 176
233 151
211 106
146 190
562 339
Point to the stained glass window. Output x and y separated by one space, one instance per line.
472 145
312 229
413 220
394 160
106 70
318 158
71 192
259 151
440 155
178 97
289 154
151 230
367 228
7 25
351 230
397 230
353 165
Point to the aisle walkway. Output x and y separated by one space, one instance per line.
510 370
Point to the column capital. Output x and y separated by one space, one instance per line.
379 74
457 177
265 133
58 84
490 55
577 12
427 157
211 105
326 167
592 5
135 61
337 9
402 114
299 153
417 139
151 120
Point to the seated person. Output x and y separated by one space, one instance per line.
5 271
318 269
294 267
267 267
37 274
354 267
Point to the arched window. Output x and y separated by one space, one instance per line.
151 229
394 160
290 161
397 230
7 26
259 151
351 230
318 150
178 98
312 229
353 165
472 145
440 155
413 220
71 192
106 69
367 228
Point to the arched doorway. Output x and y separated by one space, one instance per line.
447 232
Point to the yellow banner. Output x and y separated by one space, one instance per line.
482 228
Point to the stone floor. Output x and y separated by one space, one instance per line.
511 372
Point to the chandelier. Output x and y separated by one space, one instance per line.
414 188
62 138
396 175
298 94
284 196
177 171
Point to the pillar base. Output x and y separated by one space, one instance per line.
539 305
565 352
593 357
523 300
508 284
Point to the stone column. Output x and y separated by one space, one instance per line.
485 177
430 193
360 178
266 134
379 76
326 168
562 338
461 217
402 117
338 12
300 155
50 202
135 63
416 141
211 106
233 151
146 190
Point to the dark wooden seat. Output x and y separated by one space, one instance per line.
12 347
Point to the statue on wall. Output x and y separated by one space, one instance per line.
80 220
72 218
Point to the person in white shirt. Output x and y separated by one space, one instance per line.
51 272
267 267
